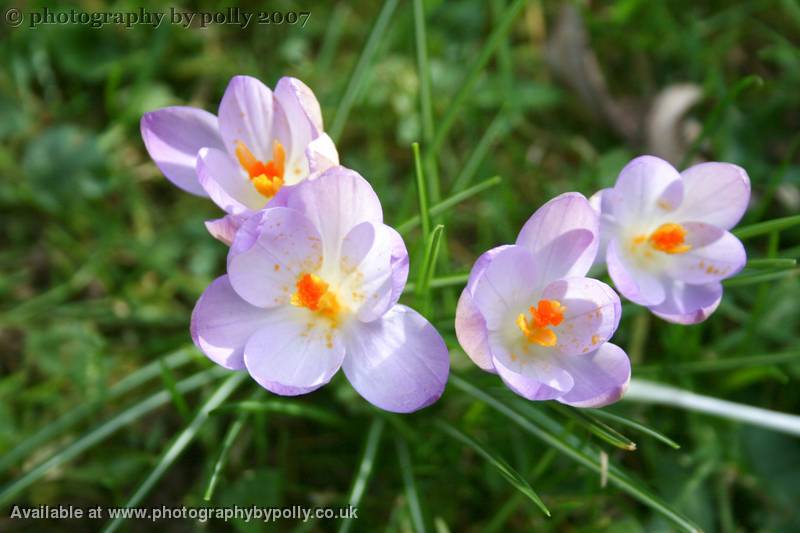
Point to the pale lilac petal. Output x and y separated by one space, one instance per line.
537 376
602 203
505 289
470 324
295 353
601 377
689 304
642 184
399 261
298 120
322 154
721 258
224 229
337 201
562 235
635 284
265 273
298 100
246 114
222 323
173 136
398 363
592 314
366 265
226 183
715 193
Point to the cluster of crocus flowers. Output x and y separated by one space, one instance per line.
667 244
260 142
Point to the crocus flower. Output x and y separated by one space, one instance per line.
529 314
666 233
260 142
312 286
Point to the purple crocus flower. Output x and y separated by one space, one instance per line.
529 314
260 141
666 234
313 283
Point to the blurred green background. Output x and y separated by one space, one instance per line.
102 259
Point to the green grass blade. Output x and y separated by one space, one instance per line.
128 383
354 86
230 437
183 440
412 496
637 426
776 263
168 378
105 429
286 407
512 476
596 427
728 363
364 469
762 228
426 109
615 476
422 289
422 194
453 280
498 126
468 84
450 202
750 279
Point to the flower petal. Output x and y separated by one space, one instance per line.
721 258
173 136
562 235
642 184
298 120
635 284
535 377
601 377
592 314
224 229
398 363
322 154
688 304
222 323
246 114
470 324
715 193
337 201
298 100
226 184
295 353
287 246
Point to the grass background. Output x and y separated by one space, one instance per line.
102 261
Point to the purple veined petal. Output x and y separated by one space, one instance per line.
299 101
224 229
173 136
470 324
398 363
592 314
222 323
226 184
602 203
505 288
399 261
643 184
721 258
246 114
321 154
247 234
337 201
601 377
265 273
365 262
537 377
688 304
715 193
298 120
297 352
635 284
562 235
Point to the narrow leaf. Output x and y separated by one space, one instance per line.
762 228
412 496
364 469
637 426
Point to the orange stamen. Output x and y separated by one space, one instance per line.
267 178
313 294
548 313
669 238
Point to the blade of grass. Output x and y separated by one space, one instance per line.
512 476
286 407
776 263
762 228
750 279
729 363
406 469
230 437
499 126
467 85
422 288
450 202
596 427
96 435
354 86
615 476
426 109
453 280
637 426
168 378
364 469
75 416
174 450
422 194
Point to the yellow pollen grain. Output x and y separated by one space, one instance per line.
545 313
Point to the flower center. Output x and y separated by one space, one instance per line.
548 313
267 178
669 238
313 294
